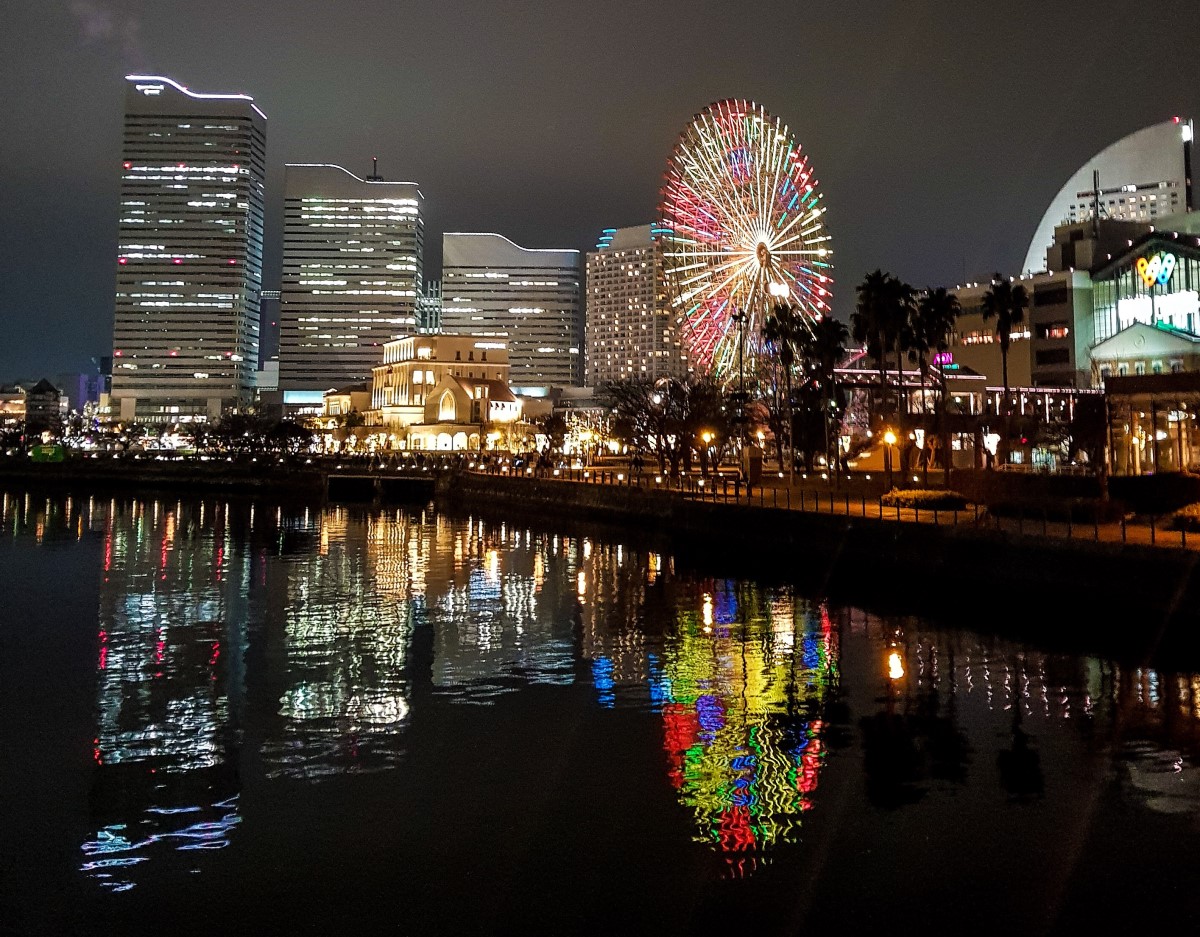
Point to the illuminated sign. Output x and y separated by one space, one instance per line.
1156 268
943 358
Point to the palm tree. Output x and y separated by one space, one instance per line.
931 328
823 349
901 309
783 330
881 321
1005 302
868 324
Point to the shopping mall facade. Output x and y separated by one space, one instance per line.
1113 282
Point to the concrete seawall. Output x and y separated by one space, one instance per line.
1143 600
143 476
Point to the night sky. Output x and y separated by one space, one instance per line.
939 129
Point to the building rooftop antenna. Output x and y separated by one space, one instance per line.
375 177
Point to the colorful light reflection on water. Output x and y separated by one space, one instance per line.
244 656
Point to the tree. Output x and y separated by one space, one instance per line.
1005 302
554 427
290 438
822 350
783 331
931 327
239 432
868 324
881 322
667 416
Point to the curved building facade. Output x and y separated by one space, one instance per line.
1143 177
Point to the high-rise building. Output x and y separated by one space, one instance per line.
1143 177
185 331
631 331
352 254
268 327
493 288
429 308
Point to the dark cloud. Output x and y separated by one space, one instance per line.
109 24
939 129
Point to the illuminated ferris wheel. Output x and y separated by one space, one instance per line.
743 228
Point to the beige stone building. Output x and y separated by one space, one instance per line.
445 392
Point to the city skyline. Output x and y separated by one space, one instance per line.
507 135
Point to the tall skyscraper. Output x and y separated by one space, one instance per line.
352 254
185 331
631 331
492 288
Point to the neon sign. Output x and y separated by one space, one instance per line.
1156 268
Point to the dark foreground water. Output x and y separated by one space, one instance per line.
225 719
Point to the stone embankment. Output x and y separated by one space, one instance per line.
127 475
1059 589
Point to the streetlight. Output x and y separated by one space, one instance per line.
889 440
707 438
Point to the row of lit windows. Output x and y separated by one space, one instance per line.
989 337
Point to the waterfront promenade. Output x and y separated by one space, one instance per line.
1059 581
853 496
857 497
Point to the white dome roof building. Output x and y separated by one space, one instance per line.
1143 177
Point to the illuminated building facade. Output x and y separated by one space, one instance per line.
429 308
352 254
267 378
631 331
444 392
189 256
1155 281
1143 177
529 299
1050 348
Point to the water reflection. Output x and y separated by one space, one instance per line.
301 647
743 686
169 685
740 679
502 608
347 617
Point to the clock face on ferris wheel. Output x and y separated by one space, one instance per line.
742 228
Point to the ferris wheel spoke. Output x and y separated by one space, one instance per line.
801 219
